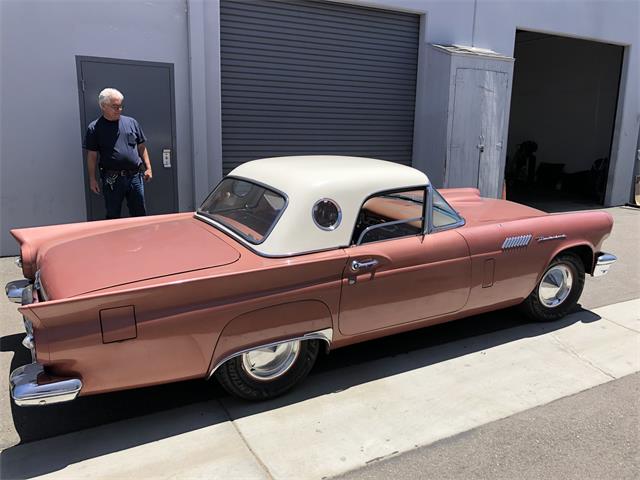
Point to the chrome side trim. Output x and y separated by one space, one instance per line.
603 263
325 335
26 391
516 242
14 290
547 238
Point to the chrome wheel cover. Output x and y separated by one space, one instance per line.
269 363
555 286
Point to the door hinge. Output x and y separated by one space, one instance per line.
82 85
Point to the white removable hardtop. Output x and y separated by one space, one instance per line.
305 180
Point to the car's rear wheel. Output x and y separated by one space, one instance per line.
558 290
270 371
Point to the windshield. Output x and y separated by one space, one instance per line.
248 209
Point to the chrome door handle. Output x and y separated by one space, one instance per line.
356 265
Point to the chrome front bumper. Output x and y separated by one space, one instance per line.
31 386
603 263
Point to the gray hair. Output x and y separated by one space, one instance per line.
108 93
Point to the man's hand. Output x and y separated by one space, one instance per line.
144 155
94 185
92 161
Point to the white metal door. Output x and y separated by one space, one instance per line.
478 130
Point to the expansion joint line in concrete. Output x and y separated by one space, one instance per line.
244 440
620 325
579 357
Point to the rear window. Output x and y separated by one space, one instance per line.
246 208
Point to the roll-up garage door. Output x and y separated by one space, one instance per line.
304 77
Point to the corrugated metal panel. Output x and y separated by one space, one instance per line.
311 77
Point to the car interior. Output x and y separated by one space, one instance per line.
390 215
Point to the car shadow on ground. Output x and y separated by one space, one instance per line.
160 412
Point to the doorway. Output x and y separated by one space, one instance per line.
563 108
148 88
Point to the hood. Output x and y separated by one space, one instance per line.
103 259
477 210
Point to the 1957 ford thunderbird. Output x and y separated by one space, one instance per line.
286 256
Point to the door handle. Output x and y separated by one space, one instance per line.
480 146
357 265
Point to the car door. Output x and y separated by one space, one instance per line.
404 279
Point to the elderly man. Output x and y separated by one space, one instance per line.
117 142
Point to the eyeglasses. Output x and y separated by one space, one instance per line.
117 107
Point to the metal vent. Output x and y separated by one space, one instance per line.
516 242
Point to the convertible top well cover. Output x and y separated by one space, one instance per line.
305 180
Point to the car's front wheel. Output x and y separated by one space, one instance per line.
269 371
558 290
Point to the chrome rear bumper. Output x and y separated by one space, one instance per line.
31 386
603 263
16 289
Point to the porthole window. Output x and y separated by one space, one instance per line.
326 214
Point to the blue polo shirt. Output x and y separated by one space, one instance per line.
116 142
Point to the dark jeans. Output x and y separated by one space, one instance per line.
131 188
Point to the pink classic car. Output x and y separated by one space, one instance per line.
285 257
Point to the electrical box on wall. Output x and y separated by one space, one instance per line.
468 113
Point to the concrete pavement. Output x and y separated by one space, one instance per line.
592 435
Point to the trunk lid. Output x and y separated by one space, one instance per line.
106 259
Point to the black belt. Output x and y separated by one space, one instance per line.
120 173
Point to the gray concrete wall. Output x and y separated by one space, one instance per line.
41 162
206 120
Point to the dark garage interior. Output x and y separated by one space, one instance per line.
563 108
